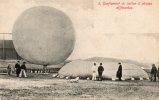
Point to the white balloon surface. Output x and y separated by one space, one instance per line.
43 35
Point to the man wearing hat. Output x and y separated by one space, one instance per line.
100 72
17 68
23 70
158 73
153 73
119 72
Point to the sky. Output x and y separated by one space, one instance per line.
101 31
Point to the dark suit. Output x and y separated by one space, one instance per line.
154 73
18 69
158 74
100 72
119 72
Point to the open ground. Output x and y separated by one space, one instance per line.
45 87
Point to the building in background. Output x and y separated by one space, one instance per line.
7 50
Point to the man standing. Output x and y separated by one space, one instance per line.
153 73
94 72
119 72
17 68
158 73
100 71
23 70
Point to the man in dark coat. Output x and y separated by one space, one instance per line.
158 73
100 71
17 67
153 73
119 72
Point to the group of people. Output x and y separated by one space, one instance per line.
154 73
100 70
20 69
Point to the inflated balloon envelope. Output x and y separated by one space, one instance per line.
43 35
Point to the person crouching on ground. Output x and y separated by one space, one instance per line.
94 72
100 71
153 73
119 72
23 70
9 69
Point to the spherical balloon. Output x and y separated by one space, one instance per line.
43 35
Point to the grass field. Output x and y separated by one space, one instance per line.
45 87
